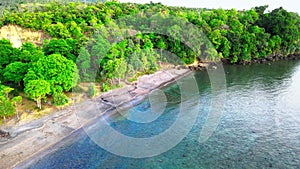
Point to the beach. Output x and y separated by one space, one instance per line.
29 139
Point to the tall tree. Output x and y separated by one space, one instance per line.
37 90
8 53
15 72
58 71
161 45
60 46
120 69
84 64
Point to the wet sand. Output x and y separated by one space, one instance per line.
30 139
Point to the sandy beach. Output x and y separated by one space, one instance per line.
28 139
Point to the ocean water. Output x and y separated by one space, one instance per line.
259 126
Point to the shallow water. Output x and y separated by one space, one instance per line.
259 126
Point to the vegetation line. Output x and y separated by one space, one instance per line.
70 57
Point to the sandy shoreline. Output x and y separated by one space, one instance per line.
29 139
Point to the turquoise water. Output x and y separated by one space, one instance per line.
259 127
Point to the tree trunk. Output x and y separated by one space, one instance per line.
38 102
17 112
18 117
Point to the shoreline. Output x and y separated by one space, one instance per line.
35 137
31 139
269 59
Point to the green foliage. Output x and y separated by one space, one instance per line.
17 100
37 90
60 99
5 90
60 46
58 71
280 22
30 53
136 62
105 87
92 91
15 72
120 69
238 36
83 63
6 107
8 53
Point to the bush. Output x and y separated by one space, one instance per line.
60 99
92 91
105 87
6 107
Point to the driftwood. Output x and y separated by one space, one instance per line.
4 133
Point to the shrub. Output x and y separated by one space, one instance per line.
60 99
92 91
6 108
105 87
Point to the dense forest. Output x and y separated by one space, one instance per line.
86 37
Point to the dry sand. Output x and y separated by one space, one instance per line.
33 137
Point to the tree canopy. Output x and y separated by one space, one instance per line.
91 43
37 90
58 71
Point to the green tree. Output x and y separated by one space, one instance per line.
120 69
60 46
282 23
236 35
59 30
161 45
136 62
37 90
58 71
84 64
15 72
99 50
145 62
5 90
6 107
30 53
105 86
8 53
74 29
60 99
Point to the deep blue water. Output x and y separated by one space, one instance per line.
259 127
